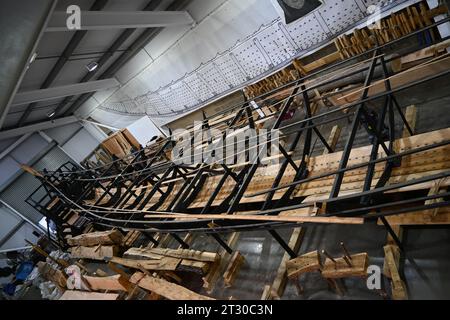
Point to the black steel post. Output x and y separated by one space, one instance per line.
355 124
183 244
283 243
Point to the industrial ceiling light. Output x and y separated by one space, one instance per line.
33 57
91 66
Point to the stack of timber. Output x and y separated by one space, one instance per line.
395 26
119 145
96 245
272 82
130 238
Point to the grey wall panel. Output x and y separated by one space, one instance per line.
81 145
16 193
28 149
6 143
52 160
22 153
64 133
8 168
18 239
8 221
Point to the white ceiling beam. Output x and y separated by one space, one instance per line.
6 134
26 97
103 20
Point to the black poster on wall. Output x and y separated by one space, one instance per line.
295 9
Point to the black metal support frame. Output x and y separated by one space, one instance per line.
159 178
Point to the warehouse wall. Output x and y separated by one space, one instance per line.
49 149
14 186
144 130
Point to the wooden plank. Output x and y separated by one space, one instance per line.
194 266
130 138
210 279
266 293
307 262
303 219
403 78
333 139
96 238
321 62
392 255
218 267
130 238
421 218
411 118
94 253
82 295
49 273
279 283
237 260
112 283
341 269
175 253
166 289
164 264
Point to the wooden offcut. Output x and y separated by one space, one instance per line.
49 273
392 258
157 253
341 269
236 262
279 283
411 118
194 266
164 264
130 238
97 238
333 138
94 253
307 262
218 266
84 295
111 283
166 289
